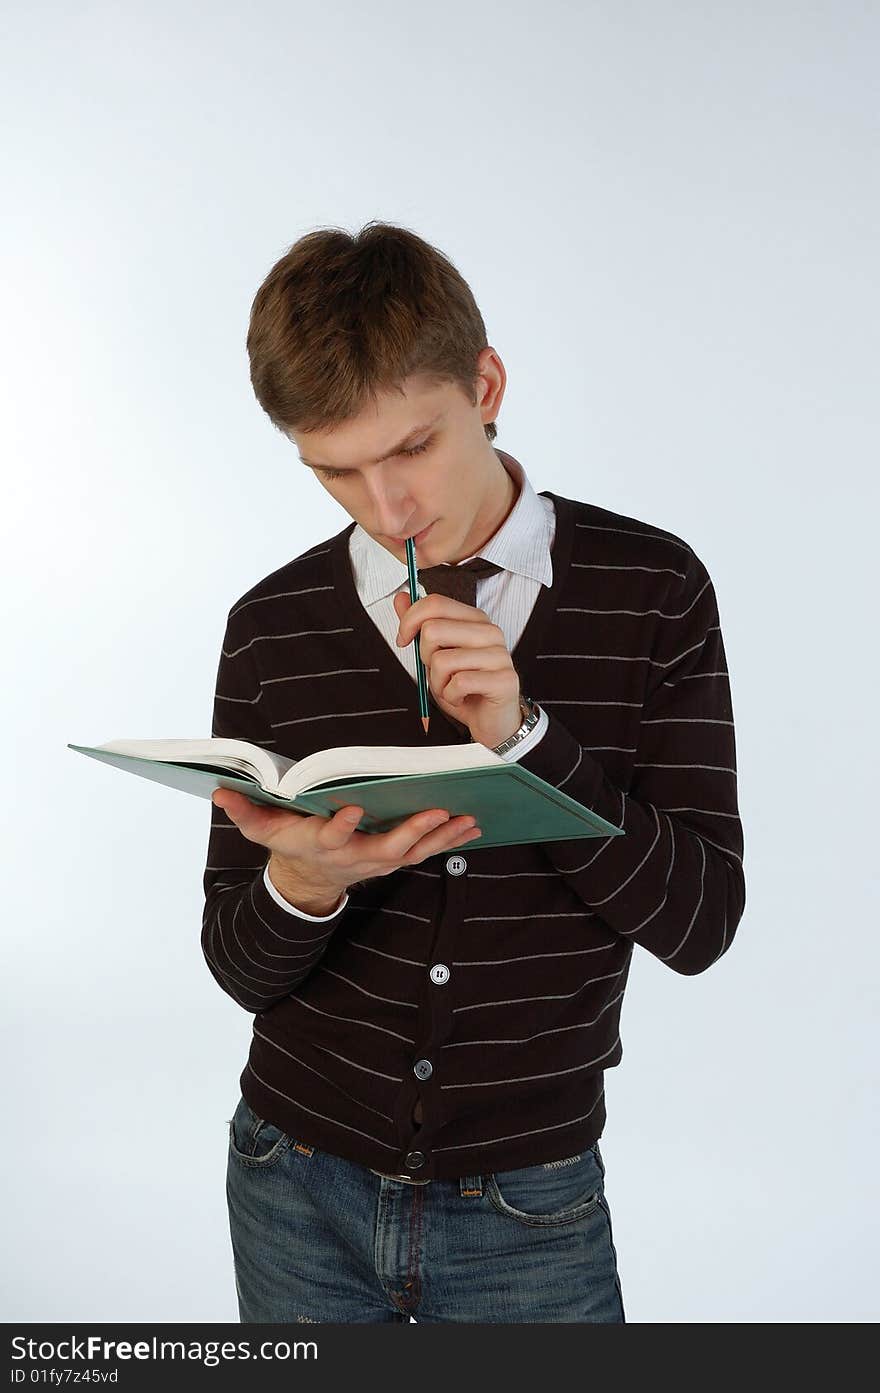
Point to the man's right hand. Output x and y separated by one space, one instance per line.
323 856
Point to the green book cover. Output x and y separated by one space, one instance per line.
511 804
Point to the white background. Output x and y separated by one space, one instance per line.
668 215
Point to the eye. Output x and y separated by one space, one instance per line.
341 473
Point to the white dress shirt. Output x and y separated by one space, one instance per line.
521 547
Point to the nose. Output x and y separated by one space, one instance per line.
387 504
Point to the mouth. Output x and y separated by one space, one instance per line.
418 537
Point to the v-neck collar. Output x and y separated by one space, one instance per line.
395 676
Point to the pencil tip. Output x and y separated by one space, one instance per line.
425 720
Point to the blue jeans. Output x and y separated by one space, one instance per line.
319 1238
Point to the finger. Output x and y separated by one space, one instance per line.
463 835
339 829
400 841
445 663
498 685
392 847
455 832
495 659
451 635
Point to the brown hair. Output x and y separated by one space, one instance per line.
340 318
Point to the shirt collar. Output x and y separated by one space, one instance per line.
521 544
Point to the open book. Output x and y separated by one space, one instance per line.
390 783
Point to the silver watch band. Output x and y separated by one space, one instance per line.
531 716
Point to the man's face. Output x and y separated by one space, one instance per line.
419 459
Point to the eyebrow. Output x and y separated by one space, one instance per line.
395 449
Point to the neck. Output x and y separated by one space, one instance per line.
499 506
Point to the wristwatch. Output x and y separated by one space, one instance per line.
531 716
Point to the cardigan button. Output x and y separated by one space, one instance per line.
439 974
456 865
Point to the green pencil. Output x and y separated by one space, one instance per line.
422 680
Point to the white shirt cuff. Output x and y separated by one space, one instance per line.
291 908
530 740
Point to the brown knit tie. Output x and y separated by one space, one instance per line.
458 582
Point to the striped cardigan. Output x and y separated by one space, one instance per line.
484 984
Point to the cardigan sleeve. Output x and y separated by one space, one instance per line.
674 883
258 949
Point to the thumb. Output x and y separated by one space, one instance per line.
234 804
255 821
230 800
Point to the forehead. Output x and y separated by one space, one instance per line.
381 426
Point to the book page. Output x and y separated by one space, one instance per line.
235 756
383 761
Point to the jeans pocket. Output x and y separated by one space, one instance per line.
553 1192
253 1140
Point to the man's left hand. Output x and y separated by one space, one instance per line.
469 670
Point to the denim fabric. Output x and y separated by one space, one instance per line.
316 1238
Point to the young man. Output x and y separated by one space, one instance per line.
420 1113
